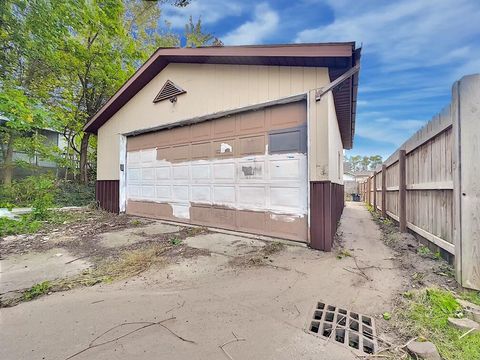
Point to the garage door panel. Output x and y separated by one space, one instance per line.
286 197
224 128
251 122
147 156
165 153
133 157
224 217
180 193
252 195
251 170
163 192
163 173
148 192
224 148
148 175
180 153
285 169
224 171
201 214
181 172
252 145
224 194
201 193
251 220
134 175
201 151
219 173
201 171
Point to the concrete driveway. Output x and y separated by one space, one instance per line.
262 311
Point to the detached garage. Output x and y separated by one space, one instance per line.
246 138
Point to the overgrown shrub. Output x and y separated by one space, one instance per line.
74 194
23 193
43 191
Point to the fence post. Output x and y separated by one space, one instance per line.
466 102
384 191
374 191
402 192
369 194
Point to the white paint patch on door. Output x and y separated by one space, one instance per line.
275 183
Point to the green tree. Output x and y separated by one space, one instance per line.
375 160
365 163
195 36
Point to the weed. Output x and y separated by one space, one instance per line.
343 253
136 222
471 296
426 315
424 251
387 222
175 241
437 255
272 248
37 290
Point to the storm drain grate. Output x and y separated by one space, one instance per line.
351 329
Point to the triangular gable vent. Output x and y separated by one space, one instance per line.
169 91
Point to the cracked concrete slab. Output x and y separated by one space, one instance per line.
134 235
229 245
22 271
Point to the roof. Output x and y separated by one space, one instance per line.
338 57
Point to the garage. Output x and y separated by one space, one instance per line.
245 171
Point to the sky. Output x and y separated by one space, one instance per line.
412 51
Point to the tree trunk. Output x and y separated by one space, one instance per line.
8 162
84 158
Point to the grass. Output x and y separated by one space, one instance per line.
426 314
471 295
343 253
37 290
28 224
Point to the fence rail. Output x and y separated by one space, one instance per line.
431 184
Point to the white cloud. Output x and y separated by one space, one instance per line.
210 11
386 129
407 34
264 23
404 34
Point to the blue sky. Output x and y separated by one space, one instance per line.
413 50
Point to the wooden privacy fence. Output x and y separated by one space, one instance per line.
431 184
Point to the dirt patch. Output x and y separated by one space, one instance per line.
75 232
258 257
423 271
137 245
423 267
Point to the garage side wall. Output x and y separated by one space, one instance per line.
326 182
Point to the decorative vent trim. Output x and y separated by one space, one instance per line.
169 91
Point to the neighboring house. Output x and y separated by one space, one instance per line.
52 137
234 137
348 176
361 176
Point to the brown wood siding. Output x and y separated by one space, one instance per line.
107 195
326 207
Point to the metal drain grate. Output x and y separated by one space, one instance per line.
351 329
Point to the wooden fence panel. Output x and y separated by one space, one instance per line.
441 191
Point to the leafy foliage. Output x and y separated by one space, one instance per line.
359 163
61 60
37 290
426 316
